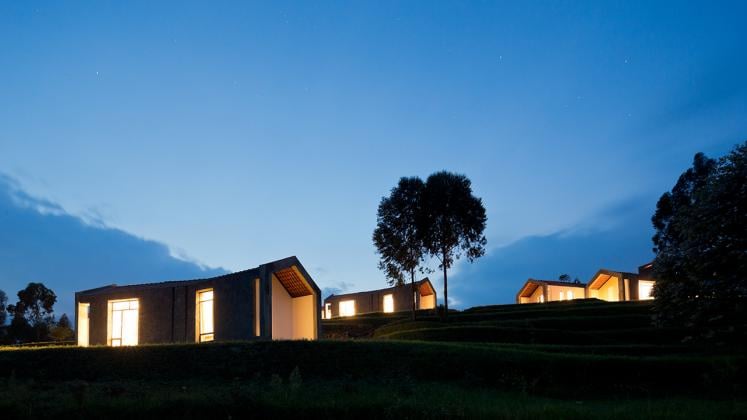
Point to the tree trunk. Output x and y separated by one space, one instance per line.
446 290
412 282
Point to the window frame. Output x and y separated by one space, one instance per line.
200 336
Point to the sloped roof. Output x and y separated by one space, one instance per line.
532 284
418 284
279 267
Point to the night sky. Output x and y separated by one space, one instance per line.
148 142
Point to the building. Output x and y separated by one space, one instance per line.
392 299
609 285
277 300
538 291
616 286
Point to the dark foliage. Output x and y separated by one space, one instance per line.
496 368
62 331
396 236
32 314
452 222
3 311
701 248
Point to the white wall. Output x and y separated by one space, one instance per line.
282 312
304 314
610 290
292 318
428 302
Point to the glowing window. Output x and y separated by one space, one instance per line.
123 320
645 288
388 303
83 310
205 316
541 298
570 295
328 310
347 308
562 295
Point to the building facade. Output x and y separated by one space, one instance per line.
277 300
539 291
609 285
392 299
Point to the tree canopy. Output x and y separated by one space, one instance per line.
32 314
701 245
396 237
452 222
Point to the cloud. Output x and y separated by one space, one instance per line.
616 238
341 287
41 242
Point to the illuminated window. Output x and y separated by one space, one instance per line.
83 310
570 295
328 310
645 288
347 308
541 299
123 321
562 296
388 303
205 316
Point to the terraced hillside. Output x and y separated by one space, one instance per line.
587 325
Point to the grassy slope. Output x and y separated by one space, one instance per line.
584 360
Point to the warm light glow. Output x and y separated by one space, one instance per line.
328 310
562 295
570 295
645 288
542 298
388 303
347 308
205 315
123 318
83 309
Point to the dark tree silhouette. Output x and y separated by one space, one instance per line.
396 236
701 246
63 330
565 278
452 222
32 314
3 312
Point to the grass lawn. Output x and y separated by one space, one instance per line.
584 359
294 397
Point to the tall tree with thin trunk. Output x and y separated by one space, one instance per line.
396 236
451 223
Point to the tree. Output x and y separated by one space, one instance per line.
32 314
396 236
701 246
62 331
564 277
3 312
452 222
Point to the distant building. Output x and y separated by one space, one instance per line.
609 285
392 299
277 300
538 291
617 286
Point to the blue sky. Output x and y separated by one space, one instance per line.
221 135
